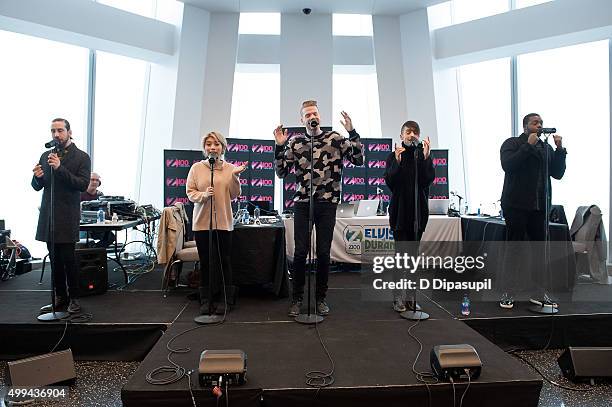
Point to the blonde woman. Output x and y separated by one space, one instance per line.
226 186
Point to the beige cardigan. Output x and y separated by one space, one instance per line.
227 187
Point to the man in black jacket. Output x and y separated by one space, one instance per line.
400 176
524 200
70 168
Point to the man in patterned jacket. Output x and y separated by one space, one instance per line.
330 149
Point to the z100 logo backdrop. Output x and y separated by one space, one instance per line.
439 189
256 182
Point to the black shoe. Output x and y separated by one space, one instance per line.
60 303
204 308
546 301
322 307
295 307
399 306
221 309
506 301
74 307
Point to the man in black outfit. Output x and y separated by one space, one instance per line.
400 178
330 149
70 168
524 201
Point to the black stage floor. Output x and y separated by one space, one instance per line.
370 345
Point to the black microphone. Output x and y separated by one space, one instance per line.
313 123
547 130
212 158
51 144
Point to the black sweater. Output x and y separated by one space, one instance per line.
400 180
523 164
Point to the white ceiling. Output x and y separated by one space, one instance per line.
375 7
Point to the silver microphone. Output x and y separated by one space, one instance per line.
212 157
313 123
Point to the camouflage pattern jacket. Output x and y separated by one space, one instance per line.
330 149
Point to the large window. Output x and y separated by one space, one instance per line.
355 91
570 88
352 24
259 23
486 123
144 8
255 101
468 10
118 122
528 3
40 81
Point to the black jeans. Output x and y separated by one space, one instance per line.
526 236
63 269
402 239
324 221
221 262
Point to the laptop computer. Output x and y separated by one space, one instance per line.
438 206
367 207
345 210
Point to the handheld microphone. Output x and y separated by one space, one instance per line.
547 130
212 158
313 123
51 144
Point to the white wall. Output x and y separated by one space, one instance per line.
548 25
390 74
306 65
90 25
418 72
193 46
219 78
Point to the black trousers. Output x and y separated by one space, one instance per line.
221 263
525 237
63 269
324 221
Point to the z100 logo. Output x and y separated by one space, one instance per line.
354 181
265 198
176 182
352 197
237 163
377 164
236 148
440 180
173 200
347 164
290 186
384 197
262 165
439 162
178 163
244 181
376 181
379 147
261 148
289 203
438 197
260 182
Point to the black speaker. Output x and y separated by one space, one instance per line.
93 271
584 363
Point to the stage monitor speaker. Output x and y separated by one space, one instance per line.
42 370
455 361
93 271
230 364
585 363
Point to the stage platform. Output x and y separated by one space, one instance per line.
369 343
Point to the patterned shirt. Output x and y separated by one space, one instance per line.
330 148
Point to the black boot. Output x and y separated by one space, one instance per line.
204 304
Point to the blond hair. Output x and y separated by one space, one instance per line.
308 103
220 138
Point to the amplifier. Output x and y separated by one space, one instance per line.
42 370
586 363
456 361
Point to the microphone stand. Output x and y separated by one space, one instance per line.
548 310
414 312
53 315
309 318
211 318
